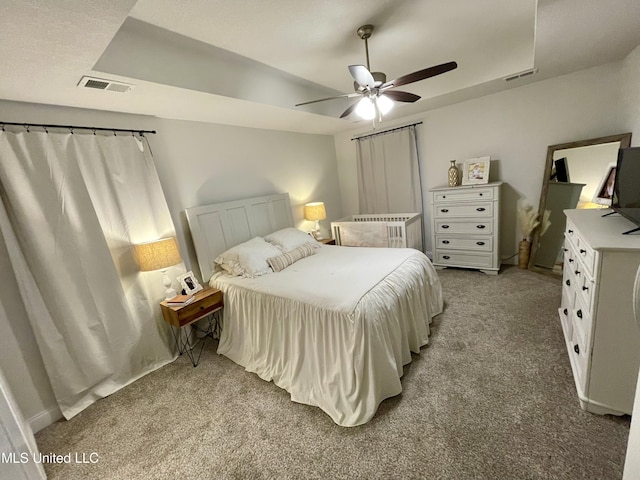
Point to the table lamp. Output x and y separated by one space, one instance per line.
159 255
315 212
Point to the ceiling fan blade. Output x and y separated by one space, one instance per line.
328 98
349 110
420 75
399 96
362 76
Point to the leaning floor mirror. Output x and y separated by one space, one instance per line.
576 175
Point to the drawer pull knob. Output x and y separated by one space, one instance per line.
479 243
568 282
445 226
565 311
585 288
446 242
446 257
480 194
576 349
583 251
579 313
571 260
480 209
570 231
565 249
444 196
444 210
480 226
577 272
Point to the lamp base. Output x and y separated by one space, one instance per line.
170 292
317 233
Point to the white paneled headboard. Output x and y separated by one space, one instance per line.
220 226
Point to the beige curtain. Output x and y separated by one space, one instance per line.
389 172
71 207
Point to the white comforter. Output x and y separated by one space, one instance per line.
333 329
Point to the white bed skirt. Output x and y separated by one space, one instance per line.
344 361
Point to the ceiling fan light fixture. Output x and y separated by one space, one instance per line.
385 104
366 109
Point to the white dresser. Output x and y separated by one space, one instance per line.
603 340
465 226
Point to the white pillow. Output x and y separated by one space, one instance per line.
289 238
230 260
253 258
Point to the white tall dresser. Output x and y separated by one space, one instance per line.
465 227
596 313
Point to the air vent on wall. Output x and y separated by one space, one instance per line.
102 84
526 73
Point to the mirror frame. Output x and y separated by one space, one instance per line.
625 142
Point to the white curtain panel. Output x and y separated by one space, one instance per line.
16 441
389 172
72 207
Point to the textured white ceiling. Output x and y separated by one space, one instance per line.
247 62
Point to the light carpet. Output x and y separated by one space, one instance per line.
491 397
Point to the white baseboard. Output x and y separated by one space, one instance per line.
44 419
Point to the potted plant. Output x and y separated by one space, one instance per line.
529 221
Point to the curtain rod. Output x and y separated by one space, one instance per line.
385 131
76 127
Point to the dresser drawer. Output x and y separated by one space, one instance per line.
582 248
566 311
579 358
585 287
480 209
582 319
587 255
478 244
484 227
464 195
462 259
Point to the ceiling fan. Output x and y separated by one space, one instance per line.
377 94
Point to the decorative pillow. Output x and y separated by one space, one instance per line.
289 238
253 258
283 261
230 260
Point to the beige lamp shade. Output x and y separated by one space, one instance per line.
314 211
157 255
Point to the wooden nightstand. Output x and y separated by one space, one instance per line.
328 241
208 302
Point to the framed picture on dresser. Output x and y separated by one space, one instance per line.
476 170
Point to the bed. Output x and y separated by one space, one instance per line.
335 327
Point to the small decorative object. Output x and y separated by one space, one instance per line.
454 175
476 171
189 283
315 212
528 223
524 252
159 255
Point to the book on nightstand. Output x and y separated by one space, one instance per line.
180 300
